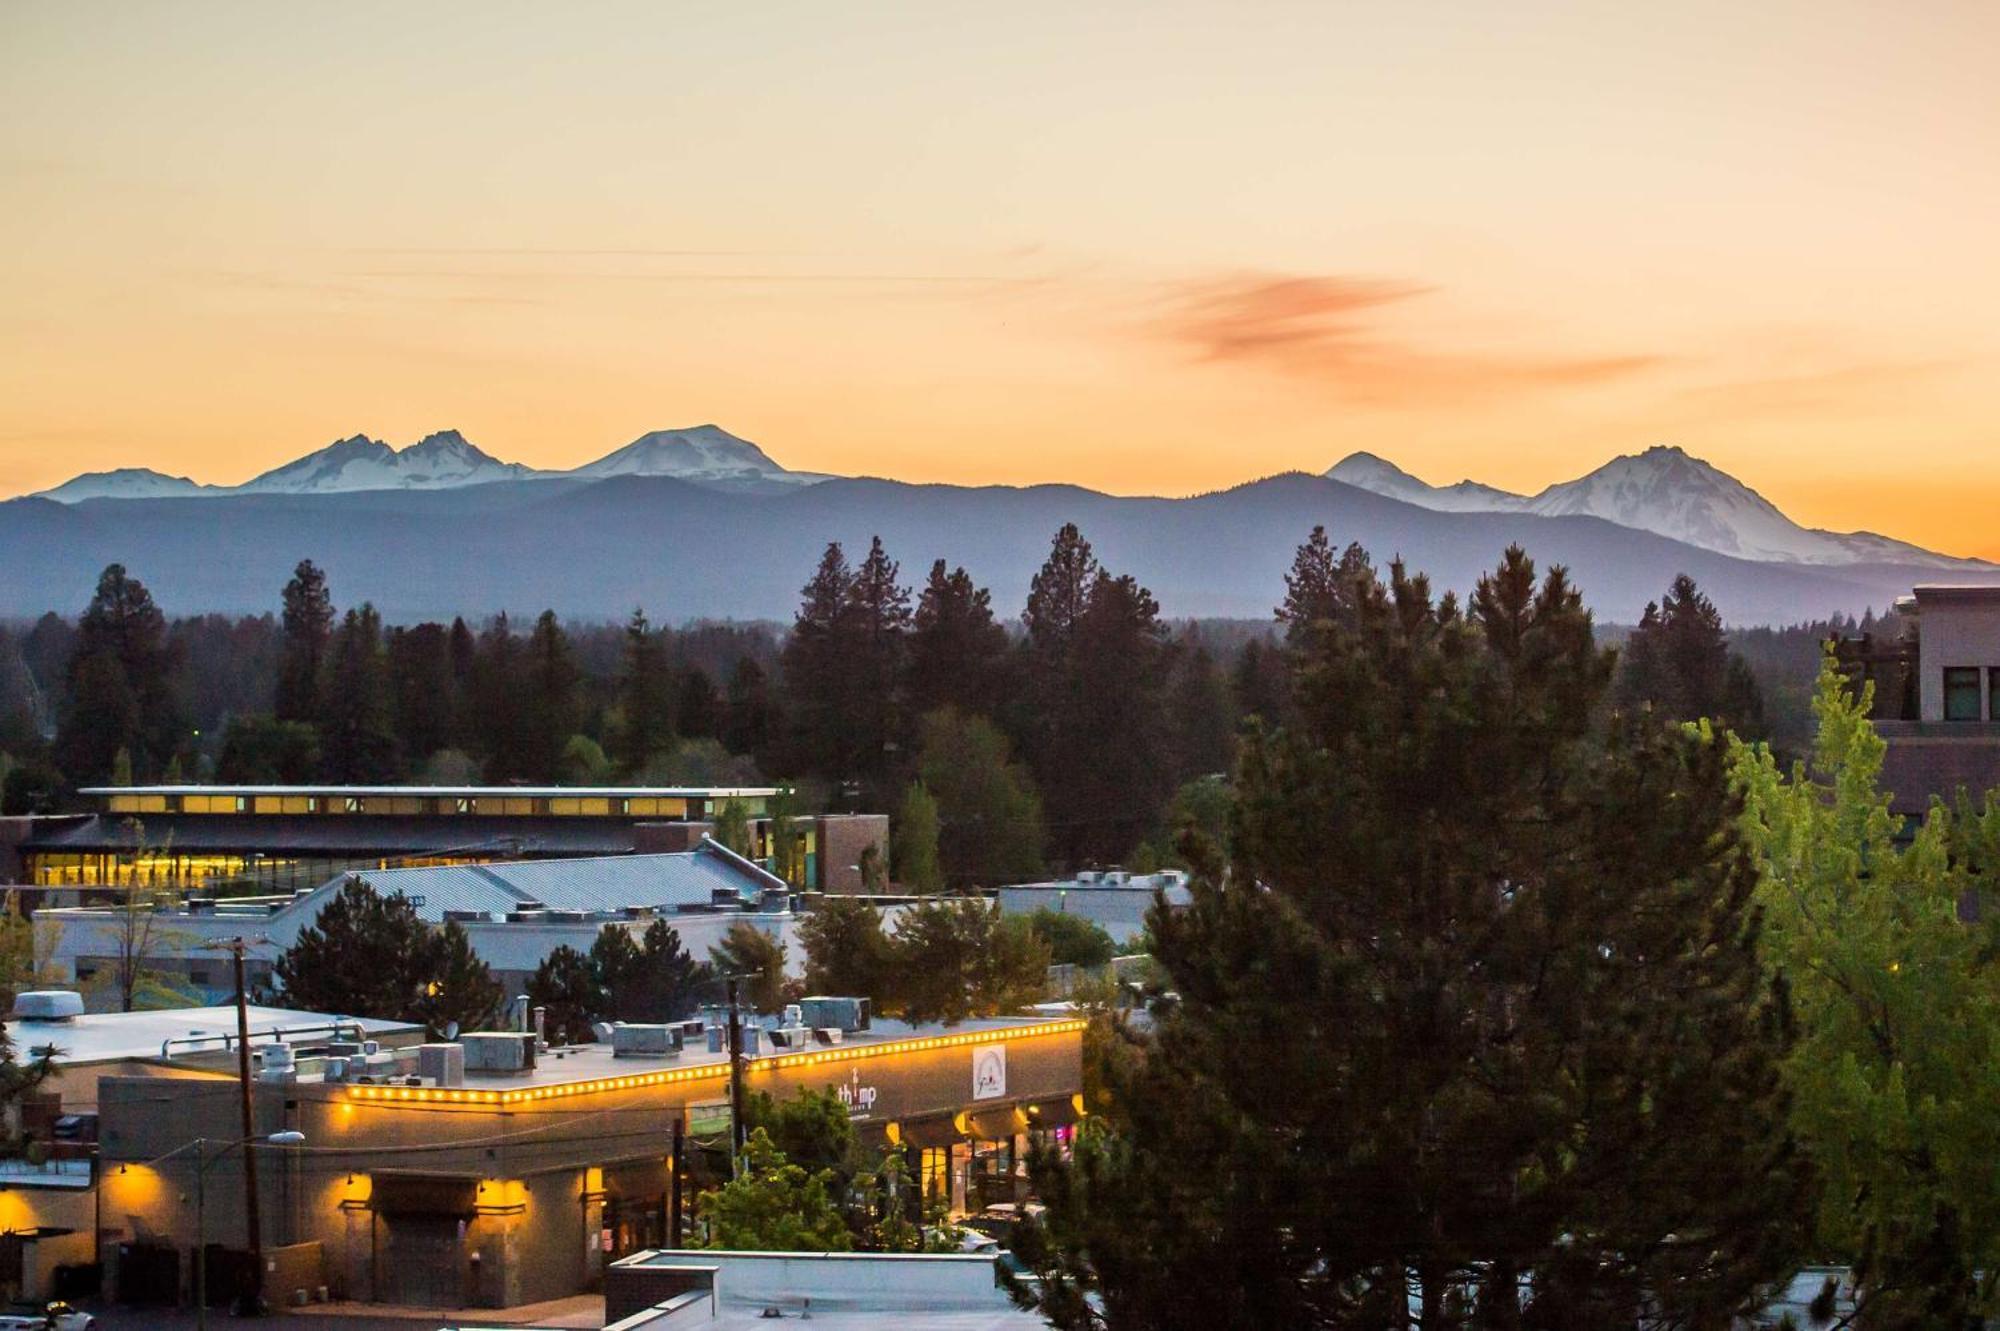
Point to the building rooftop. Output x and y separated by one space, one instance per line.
105 1037
582 1069
720 1288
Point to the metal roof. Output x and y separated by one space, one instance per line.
445 792
603 884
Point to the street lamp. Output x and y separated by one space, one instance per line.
202 1160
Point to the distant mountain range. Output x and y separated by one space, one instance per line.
698 523
706 455
1661 490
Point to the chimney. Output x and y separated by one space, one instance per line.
541 1031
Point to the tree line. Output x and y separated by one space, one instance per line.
1083 731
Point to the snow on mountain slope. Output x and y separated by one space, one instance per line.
1386 478
436 462
1665 491
125 483
703 453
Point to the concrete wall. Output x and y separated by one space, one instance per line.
876 1282
1954 634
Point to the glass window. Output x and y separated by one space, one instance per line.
1993 693
269 804
1961 693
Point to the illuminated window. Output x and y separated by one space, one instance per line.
267 804
1961 693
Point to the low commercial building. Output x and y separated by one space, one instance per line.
664 1291
515 912
49 1204
1114 900
495 1172
238 839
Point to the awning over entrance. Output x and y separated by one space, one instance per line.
995 1125
423 1194
931 1133
1048 1114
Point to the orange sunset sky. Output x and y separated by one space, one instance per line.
1147 247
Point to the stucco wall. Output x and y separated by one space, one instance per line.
1954 635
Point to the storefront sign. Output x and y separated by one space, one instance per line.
989 1072
859 1099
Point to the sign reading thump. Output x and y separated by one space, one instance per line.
989 1072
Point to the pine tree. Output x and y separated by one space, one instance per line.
460 993
647 721
757 960
1202 740
496 684
550 706
566 987
121 687
958 652
672 981
990 828
1321 589
749 727
846 950
426 696
369 955
1678 663
875 643
357 742
1480 967
308 635
818 670
699 709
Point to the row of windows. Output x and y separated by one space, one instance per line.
1962 693
512 806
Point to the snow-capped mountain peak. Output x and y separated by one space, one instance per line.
125 483
703 452
435 462
1665 490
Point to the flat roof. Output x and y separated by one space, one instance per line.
104 1037
574 1067
444 792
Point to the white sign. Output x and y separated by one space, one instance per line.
989 1072
859 1099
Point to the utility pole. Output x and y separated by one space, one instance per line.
674 1184
252 1297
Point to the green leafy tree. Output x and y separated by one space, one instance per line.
584 763
566 986
758 960
1896 1071
788 839
308 621
1072 940
1480 967
370 955
916 841
989 816
262 750
774 1206
960 957
732 827
846 950
811 1128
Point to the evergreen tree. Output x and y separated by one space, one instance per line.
671 981
1202 734
369 955
1480 968
647 721
749 727
1060 593
357 743
1321 589
1260 684
566 987
308 635
122 685
732 827
757 960
959 957
700 706
1072 940
618 966
916 842
495 693
426 697
818 670
1679 663
989 816
875 644
958 652
1895 1076
550 706
846 950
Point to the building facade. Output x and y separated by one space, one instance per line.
1937 696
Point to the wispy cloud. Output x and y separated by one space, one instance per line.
1325 329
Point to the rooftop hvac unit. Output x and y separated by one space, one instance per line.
794 1015
526 916
468 916
790 1037
441 1064
499 1051
753 1038
727 898
48 1005
529 903
568 916
274 1056
645 1040
845 1014
1087 876
828 1034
